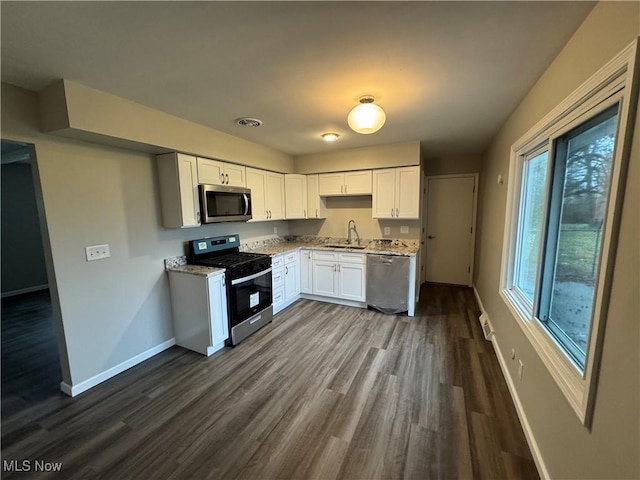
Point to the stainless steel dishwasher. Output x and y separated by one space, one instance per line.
388 283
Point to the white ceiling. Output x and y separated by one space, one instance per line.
447 73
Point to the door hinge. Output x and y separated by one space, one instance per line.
469 269
471 230
474 188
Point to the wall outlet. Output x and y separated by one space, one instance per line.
404 229
520 368
97 252
387 230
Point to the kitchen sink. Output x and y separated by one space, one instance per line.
353 247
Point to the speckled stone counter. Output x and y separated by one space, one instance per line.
378 246
179 264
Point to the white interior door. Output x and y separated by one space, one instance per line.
450 229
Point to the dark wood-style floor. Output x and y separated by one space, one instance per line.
30 360
324 392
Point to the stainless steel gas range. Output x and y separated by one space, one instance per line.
248 282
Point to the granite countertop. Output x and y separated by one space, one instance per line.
179 264
378 246
196 270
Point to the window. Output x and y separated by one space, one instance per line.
565 189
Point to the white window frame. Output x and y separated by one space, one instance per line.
614 83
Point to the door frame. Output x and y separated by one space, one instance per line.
474 214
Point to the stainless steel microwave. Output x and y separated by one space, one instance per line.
222 203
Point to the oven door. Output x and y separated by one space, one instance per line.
248 296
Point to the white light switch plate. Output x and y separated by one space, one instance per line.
404 229
97 252
387 230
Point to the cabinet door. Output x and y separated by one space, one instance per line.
178 182
275 196
256 181
291 281
235 175
352 281
189 201
330 184
210 172
383 199
324 278
357 183
306 283
217 300
408 192
295 194
316 205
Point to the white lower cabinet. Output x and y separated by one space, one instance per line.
325 280
306 272
340 275
199 307
352 282
285 276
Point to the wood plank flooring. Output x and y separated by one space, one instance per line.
30 360
325 391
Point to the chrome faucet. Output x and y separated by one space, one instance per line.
349 228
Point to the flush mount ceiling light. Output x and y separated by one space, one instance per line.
248 122
330 137
367 117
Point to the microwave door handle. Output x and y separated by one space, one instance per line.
246 203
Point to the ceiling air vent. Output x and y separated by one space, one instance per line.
249 122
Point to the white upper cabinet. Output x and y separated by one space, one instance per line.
396 193
267 194
257 182
344 183
295 194
357 183
178 178
213 172
316 205
275 195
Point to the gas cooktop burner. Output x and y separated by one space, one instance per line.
223 252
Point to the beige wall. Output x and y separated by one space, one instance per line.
111 310
342 209
72 109
379 156
569 450
453 164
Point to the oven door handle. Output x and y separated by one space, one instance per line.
246 203
251 277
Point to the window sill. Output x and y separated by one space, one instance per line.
564 372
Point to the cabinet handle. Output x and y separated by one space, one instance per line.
392 212
286 270
316 213
397 213
227 175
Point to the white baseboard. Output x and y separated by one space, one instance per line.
528 433
77 389
21 291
